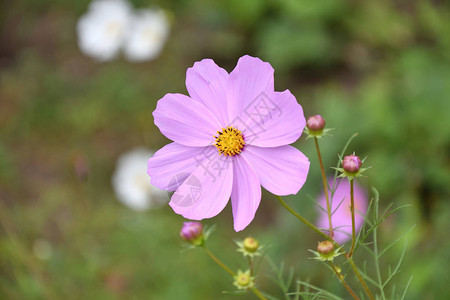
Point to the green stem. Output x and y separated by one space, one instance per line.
258 293
306 222
352 209
325 187
229 271
250 265
361 280
342 280
375 249
317 230
217 261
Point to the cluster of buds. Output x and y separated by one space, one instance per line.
315 126
193 234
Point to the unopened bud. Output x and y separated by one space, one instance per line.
326 251
325 247
315 123
192 232
243 280
251 244
351 163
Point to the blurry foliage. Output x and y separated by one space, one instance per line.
379 68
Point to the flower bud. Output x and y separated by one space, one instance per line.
351 164
243 280
251 245
325 247
315 123
326 251
192 232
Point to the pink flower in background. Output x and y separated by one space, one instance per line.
342 218
230 137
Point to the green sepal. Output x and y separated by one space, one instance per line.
328 256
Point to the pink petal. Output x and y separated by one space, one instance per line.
281 170
275 119
185 121
172 164
246 194
208 84
206 191
250 78
341 218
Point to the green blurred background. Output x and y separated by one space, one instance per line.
379 68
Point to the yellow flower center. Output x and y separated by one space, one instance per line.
229 141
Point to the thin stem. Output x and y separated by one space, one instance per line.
352 209
258 293
250 265
325 187
306 222
229 271
217 261
361 280
342 280
375 249
317 230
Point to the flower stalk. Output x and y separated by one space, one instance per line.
306 222
325 188
349 257
258 293
360 279
254 289
342 280
217 261
250 265
352 209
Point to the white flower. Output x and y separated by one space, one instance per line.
147 35
101 31
132 184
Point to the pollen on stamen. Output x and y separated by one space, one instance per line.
229 141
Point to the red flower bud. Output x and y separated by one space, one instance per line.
315 123
351 163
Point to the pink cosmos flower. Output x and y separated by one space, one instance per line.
342 218
230 137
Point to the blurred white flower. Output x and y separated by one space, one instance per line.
147 35
132 184
111 25
101 31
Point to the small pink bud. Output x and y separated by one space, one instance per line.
351 163
192 232
315 123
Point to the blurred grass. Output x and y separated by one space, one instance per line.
381 69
